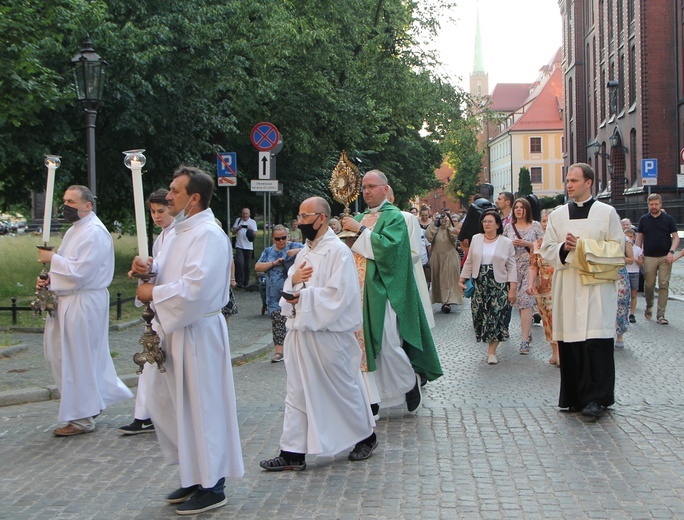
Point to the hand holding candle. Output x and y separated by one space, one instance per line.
135 160
52 162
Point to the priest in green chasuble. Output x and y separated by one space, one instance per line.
396 337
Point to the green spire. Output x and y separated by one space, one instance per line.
478 61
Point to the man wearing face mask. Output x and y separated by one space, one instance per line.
76 339
193 403
326 406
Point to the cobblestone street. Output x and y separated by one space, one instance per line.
488 442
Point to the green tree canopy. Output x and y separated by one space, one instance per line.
189 79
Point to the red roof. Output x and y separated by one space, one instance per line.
509 97
545 112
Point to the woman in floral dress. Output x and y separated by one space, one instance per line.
523 231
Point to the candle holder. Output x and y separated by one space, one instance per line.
46 300
152 351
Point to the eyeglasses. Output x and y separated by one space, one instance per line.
280 238
371 186
302 216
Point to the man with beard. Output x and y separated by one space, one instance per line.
192 404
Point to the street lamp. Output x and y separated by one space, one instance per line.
89 72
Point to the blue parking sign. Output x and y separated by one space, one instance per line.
649 172
226 164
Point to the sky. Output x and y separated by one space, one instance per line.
518 38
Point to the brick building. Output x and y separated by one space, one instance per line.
624 92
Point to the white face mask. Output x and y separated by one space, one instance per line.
182 215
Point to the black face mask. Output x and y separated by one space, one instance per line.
308 231
70 214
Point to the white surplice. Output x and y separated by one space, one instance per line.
326 406
149 371
416 238
581 312
76 340
193 404
393 376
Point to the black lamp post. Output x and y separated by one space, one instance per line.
89 72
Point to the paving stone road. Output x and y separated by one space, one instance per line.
488 443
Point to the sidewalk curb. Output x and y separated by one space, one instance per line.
37 394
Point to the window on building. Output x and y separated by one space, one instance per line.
620 14
536 174
621 79
632 73
630 14
535 145
602 18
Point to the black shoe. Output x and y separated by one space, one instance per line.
573 409
423 380
592 410
137 426
363 450
414 397
181 494
536 317
632 318
282 464
375 409
203 500
446 309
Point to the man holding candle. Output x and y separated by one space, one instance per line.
76 339
193 407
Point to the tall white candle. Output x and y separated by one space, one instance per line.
49 194
140 215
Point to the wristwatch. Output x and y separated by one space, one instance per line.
361 230
671 251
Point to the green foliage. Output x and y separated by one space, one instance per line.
189 79
552 202
524 182
461 150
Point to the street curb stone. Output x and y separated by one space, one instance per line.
38 394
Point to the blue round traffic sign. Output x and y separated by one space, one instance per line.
265 136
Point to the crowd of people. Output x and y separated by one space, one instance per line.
351 304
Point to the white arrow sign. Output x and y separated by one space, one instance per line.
264 165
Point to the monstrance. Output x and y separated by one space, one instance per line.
345 186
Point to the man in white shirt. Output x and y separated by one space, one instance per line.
244 229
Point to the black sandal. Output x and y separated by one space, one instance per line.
282 464
362 451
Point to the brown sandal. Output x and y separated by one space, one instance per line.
648 314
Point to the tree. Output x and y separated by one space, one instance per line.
524 182
189 79
461 151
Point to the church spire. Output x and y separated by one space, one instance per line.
479 81
478 61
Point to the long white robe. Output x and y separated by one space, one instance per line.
581 312
416 237
149 371
76 340
193 405
394 375
326 406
